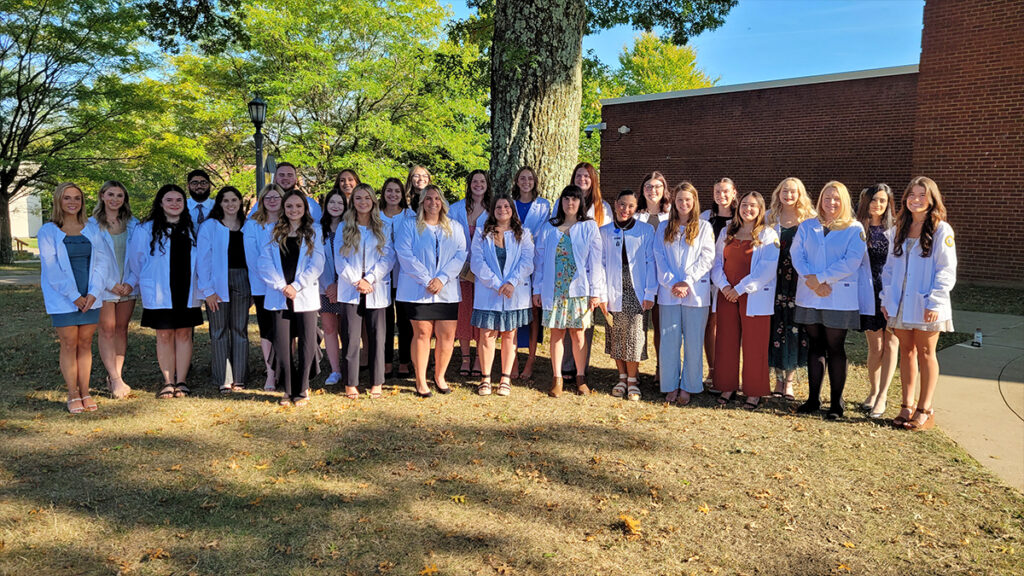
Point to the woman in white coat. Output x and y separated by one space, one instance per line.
112 219
827 253
256 233
627 252
502 261
569 282
162 263
533 212
223 282
363 258
431 250
290 264
918 277
719 215
684 251
74 272
394 207
470 213
746 255
335 203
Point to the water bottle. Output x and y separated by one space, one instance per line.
977 338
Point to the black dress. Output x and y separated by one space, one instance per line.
181 314
878 250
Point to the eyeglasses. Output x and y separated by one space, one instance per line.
199 183
658 186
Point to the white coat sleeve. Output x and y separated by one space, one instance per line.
406 258
718 270
848 264
651 287
538 261
525 259
103 264
944 253
310 274
477 263
798 253
385 263
134 256
705 257
663 271
598 282
450 270
887 268
766 265
61 282
204 261
268 271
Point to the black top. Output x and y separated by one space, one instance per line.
236 250
181 267
878 250
290 258
718 223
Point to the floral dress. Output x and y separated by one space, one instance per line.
566 312
788 347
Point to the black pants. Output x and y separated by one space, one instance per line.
404 334
354 317
295 376
389 331
826 347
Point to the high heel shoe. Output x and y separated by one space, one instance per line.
581 385
556 387
927 424
878 410
900 420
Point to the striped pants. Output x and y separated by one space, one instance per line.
229 336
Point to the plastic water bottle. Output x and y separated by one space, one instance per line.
977 338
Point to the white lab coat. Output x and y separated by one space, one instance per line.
490 275
396 222
307 275
457 212
256 236
929 280
607 217
759 284
680 261
639 242
364 262
108 246
152 272
536 216
212 261
834 259
426 255
586 251
58 280
646 218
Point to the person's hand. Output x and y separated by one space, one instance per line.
930 316
122 289
812 282
506 290
434 286
680 289
364 287
823 290
332 293
289 292
537 302
647 305
730 294
885 313
212 302
595 302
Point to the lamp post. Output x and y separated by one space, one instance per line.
258 113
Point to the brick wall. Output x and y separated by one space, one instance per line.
959 120
969 133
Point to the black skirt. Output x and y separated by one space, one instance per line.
171 319
430 312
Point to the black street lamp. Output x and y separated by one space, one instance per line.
258 114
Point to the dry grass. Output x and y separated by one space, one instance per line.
469 485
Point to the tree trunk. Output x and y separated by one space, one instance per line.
536 87
6 250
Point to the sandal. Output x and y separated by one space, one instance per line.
723 399
505 388
464 370
350 394
683 398
620 389
475 373
780 387
300 402
376 392
900 420
632 390
751 406
181 391
226 388
166 392
89 404
75 409
236 387
483 388
927 424
284 401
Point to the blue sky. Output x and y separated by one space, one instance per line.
775 39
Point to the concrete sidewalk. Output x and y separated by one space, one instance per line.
17 279
980 398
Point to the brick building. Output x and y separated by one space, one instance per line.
958 117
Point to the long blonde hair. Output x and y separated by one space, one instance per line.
442 219
261 215
305 232
350 235
692 225
57 215
804 210
124 213
845 217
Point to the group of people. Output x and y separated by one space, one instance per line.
777 281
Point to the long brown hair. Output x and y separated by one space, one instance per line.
936 214
867 195
350 235
260 215
594 199
124 213
306 233
515 183
486 200
412 194
491 224
692 224
666 194
737 220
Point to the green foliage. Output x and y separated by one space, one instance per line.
683 18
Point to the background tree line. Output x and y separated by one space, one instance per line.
144 90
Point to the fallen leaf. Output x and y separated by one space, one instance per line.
704 508
428 570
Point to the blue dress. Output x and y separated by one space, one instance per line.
80 255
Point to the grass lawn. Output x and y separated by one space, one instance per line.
469 485
27 268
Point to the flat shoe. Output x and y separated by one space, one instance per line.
181 391
89 404
166 392
75 409
723 400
